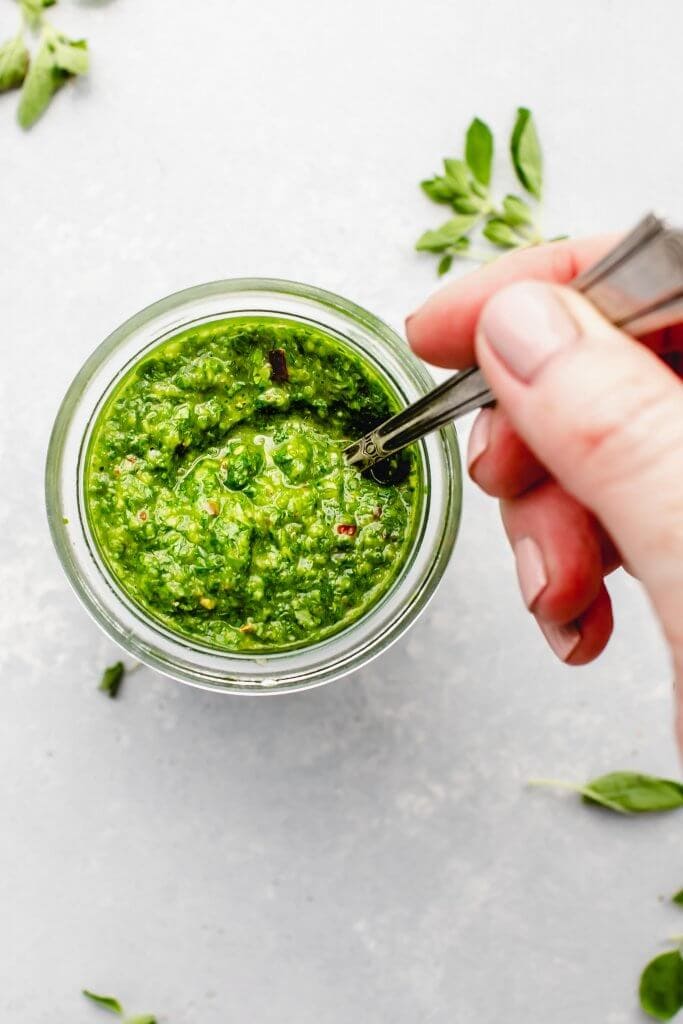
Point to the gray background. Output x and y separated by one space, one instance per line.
367 851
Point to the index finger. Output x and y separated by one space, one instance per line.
442 330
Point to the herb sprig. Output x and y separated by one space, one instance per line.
112 1004
510 223
625 792
56 60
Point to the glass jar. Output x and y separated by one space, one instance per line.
150 641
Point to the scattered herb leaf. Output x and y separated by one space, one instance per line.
14 61
145 1018
526 152
108 1002
33 10
678 898
58 59
479 150
464 186
626 792
112 677
661 986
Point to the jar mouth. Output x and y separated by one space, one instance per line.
187 658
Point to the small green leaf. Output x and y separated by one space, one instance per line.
516 211
446 235
108 1002
445 264
457 173
661 986
145 1018
14 61
526 152
501 234
479 150
58 58
678 898
634 793
439 190
467 204
112 678
33 10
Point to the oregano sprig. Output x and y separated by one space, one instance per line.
56 60
510 223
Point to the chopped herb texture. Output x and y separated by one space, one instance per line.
219 494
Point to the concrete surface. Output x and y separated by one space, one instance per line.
368 851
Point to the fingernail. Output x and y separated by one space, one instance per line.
563 639
479 437
525 325
531 571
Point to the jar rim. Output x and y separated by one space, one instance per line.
144 637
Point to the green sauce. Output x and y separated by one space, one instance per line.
218 495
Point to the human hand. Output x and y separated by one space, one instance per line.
585 445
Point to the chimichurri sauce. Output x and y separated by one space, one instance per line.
218 494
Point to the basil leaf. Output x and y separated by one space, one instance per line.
448 234
439 190
457 173
501 234
58 59
678 898
661 986
445 264
633 793
112 678
526 152
479 150
516 211
14 61
108 1002
33 10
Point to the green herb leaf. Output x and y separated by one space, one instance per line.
145 1018
678 898
458 174
467 204
33 10
661 986
112 678
633 793
445 264
448 234
526 152
516 211
108 1002
501 234
479 150
14 61
58 58
439 190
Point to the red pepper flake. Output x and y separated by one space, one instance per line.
346 529
278 366
377 512
131 458
116 471
142 516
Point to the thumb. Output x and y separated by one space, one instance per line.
605 416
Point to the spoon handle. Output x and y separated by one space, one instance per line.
638 285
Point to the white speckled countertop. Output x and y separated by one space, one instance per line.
366 851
